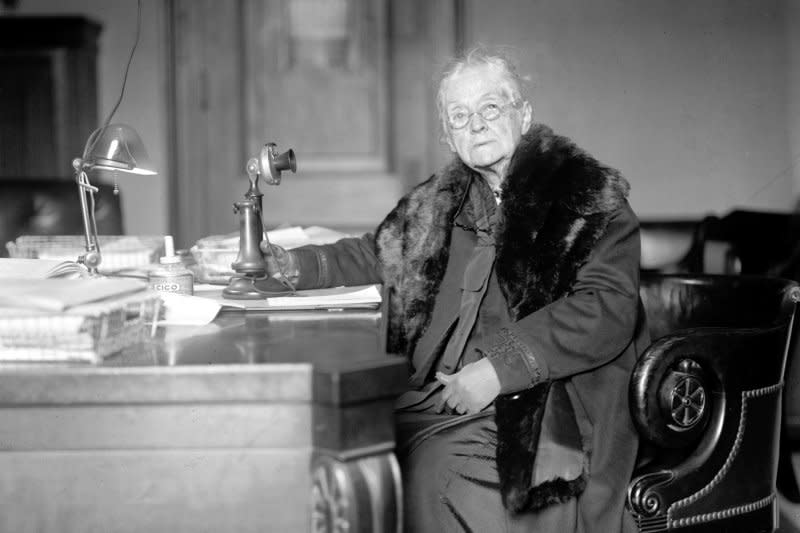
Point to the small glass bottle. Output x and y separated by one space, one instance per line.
171 275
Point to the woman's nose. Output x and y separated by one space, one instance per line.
477 122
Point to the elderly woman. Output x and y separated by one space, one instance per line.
512 270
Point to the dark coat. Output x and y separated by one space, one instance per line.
567 263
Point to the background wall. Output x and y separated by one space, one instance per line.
690 100
793 109
144 105
697 103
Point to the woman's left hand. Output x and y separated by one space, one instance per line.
470 389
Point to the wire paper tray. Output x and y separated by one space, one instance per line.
119 251
213 255
85 333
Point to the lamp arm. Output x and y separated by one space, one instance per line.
92 256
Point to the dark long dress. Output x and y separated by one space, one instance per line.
448 461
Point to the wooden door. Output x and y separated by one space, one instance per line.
351 92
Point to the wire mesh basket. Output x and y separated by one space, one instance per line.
213 257
120 252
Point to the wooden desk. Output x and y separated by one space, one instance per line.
256 422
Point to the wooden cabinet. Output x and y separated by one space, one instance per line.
48 93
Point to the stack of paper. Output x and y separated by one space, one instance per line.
60 294
72 319
365 296
358 297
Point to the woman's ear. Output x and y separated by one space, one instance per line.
527 116
449 140
446 137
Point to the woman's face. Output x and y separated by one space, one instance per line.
484 145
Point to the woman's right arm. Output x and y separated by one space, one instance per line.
349 261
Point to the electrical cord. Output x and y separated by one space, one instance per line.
124 78
283 279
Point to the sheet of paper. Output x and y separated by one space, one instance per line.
287 237
180 309
290 237
322 235
24 268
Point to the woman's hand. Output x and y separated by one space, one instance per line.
280 262
470 389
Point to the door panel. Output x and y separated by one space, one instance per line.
355 101
327 97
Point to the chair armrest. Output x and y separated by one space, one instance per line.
689 393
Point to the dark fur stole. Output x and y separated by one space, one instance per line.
541 414
556 203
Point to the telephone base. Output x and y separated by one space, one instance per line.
242 288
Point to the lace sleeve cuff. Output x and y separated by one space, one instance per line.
516 365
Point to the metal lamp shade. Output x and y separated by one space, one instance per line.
117 147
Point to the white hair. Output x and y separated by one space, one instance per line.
475 57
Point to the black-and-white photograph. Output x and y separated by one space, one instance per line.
388 266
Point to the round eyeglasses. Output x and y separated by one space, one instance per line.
488 112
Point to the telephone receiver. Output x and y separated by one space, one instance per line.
270 163
250 266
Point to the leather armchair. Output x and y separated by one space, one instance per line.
706 399
755 242
50 206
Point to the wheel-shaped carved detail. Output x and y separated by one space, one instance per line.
331 498
685 403
688 403
672 399
358 496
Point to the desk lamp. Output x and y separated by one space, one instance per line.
115 147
